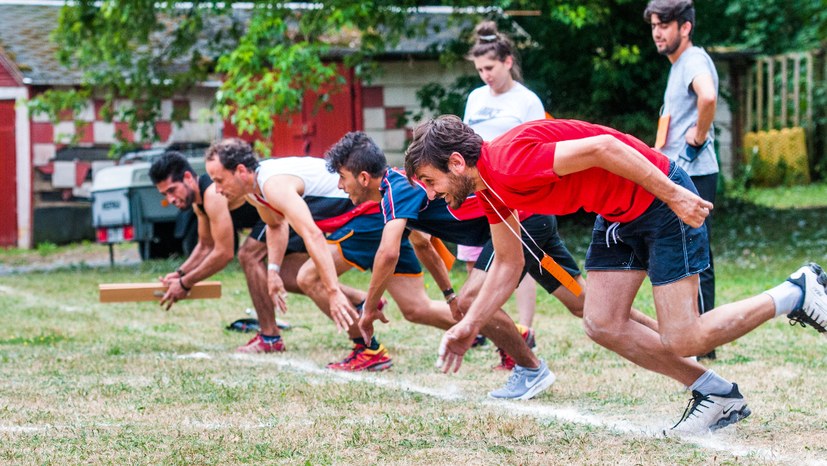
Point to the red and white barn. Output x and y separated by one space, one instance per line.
29 143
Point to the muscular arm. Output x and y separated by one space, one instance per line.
216 232
278 234
427 254
201 249
704 88
283 192
610 154
213 252
387 256
500 282
502 277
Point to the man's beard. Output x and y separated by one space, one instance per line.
461 187
189 200
671 47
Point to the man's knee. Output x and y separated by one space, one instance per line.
414 313
601 329
307 278
684 343
464 302
249 254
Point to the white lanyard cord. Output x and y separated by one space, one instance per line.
519 237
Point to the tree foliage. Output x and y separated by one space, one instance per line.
142 51
267 54
590 59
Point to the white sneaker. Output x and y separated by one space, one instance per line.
706 413
524 384
812 310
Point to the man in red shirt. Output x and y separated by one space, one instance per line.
650 222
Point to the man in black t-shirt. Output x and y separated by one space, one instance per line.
217 220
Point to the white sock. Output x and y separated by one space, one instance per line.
711 383
787 298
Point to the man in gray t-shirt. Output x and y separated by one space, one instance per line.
685 132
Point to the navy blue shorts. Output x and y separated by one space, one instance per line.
358 240
543 228
259 232
657 242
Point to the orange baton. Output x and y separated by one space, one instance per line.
561 275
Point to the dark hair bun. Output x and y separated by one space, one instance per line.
486 31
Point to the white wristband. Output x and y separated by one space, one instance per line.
274 267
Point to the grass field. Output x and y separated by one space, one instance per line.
84 382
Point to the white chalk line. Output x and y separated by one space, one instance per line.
449 392
32 301
719 441
197 355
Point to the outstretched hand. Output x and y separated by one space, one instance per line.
342 311
456 341
275 287
366 321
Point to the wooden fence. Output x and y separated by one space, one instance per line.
782 92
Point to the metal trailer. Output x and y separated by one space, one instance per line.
126 206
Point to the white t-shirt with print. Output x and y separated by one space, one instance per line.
490 116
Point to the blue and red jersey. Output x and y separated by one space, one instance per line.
401 200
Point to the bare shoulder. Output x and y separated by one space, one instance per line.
214 202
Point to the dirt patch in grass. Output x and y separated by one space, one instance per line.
73 255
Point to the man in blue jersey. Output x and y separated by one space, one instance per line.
365 175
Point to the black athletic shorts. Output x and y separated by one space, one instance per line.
543 229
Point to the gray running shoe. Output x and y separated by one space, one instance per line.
812 310
706 413
524 384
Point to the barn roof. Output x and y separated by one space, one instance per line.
26 27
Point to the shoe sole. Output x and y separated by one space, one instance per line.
538 387
733 417
379 367
239 350
374 368
821 279
532 392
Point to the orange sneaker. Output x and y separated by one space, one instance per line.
364 359
506 362
258 345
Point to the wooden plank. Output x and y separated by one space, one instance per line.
759 100
797 90
152 291
770 93
750 94
785 96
